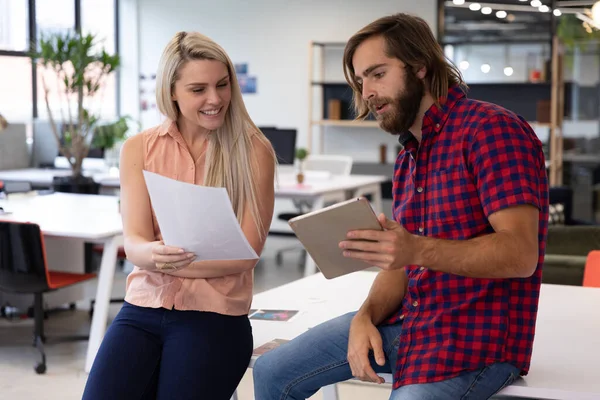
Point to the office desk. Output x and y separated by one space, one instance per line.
316 191
85 218
319 191
566 350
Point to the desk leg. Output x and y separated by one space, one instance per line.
310 267
330 392
105 281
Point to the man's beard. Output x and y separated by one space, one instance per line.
403 109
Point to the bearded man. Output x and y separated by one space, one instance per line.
451 314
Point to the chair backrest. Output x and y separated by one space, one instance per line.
334 164
22 258
563 195
591 273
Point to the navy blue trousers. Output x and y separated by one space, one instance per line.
155 353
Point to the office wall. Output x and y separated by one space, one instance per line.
273 36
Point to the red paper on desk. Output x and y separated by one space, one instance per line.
259 351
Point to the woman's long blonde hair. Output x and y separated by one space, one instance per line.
230 160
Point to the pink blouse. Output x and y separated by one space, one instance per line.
166 153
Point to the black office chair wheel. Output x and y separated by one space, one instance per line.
40 369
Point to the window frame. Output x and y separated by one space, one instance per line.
32 31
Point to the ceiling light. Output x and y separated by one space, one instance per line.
485 68
536 3
501 14
458 2
523 0
508 71
544 8
596 12
464 65
557 12
486 10
474 6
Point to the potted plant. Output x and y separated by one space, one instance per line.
107 136
301 155
79 72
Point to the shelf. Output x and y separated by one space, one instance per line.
329 44
347 123
330 84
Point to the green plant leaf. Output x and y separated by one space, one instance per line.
301 153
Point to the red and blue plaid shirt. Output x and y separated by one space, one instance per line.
474 159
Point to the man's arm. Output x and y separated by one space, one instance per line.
508 169
510 252
385 296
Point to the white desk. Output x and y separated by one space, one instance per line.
566 350
320 191
39 177
317 191
86 218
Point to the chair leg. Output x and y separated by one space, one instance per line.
38 334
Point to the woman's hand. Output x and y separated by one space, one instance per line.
170 258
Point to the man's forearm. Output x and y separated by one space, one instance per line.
385 296
497 255
213 269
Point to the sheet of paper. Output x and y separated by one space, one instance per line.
198 219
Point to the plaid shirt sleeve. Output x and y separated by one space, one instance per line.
505 158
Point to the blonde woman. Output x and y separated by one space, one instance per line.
183 332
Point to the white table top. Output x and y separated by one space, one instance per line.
566 348
88 217
286 186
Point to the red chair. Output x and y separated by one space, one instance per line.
591 273
23 269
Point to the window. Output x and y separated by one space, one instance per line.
15 89
54 16
14 33
22 94
94 14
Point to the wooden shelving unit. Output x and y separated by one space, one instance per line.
347 123
556 116
317 120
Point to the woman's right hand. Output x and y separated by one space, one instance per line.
170 258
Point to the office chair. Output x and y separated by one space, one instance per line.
591 272
336 165
561 206
17 187
23 269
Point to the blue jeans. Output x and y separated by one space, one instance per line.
155 353
317 358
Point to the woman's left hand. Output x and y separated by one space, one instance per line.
392 248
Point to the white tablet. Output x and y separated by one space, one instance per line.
321 231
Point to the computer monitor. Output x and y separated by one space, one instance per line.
283 142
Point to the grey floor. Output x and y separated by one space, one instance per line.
65 378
